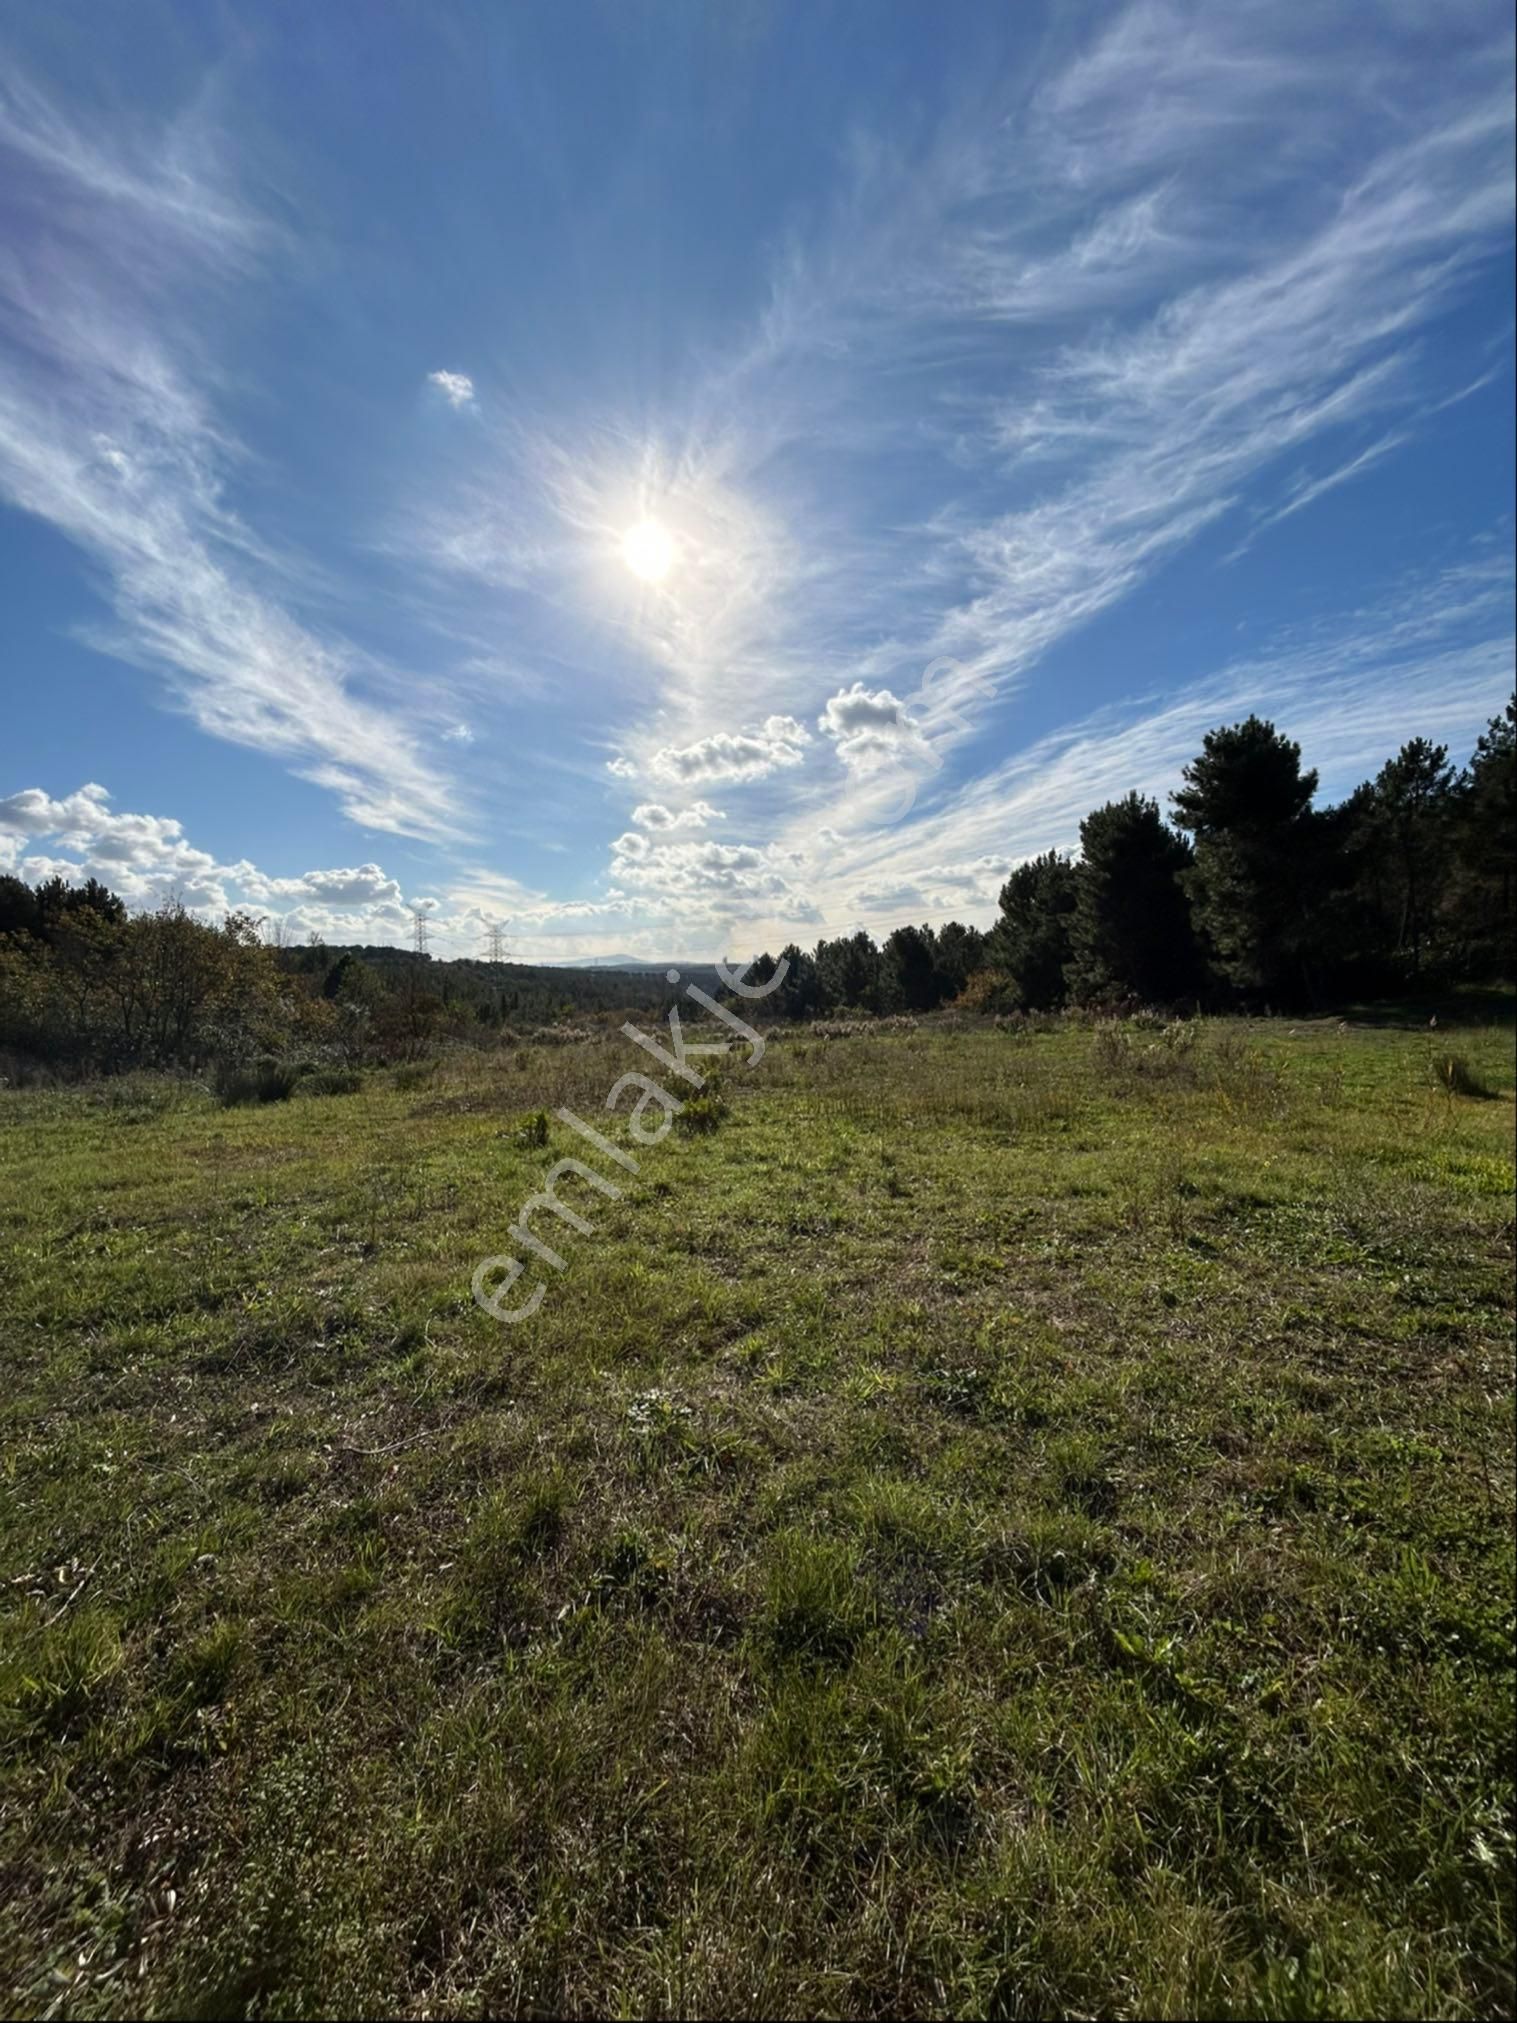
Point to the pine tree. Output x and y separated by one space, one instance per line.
1255 882
959 952
1131 933
848 972
799 996
1415 798
1030 941
909 964
1485 888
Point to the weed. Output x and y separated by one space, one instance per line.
815 1608
1452 1072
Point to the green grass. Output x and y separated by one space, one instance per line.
988 1523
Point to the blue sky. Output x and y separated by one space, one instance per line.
668 478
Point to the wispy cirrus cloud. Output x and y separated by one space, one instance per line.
1440 651
1053 306
1307 491
109 432
1186 273
1162 425
1162 287
164 190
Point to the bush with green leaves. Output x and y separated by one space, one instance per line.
534 1130
332 1082
265 1080
703 1113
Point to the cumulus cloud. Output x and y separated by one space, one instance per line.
143 857
736 755
857 709
456 388
869 726
741 876
975 876
622 767
148 859
654 815
367 885
34 813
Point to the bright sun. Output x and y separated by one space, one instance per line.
647 550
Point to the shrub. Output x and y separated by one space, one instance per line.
266 1081
332 1082
1111 1047
24 1071
1148 1045
702 1113
534 1132
137 1090
1021 1025
1242 1075
989 990
1174 1039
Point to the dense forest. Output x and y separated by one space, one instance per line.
1247 895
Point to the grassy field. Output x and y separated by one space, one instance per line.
1003 1522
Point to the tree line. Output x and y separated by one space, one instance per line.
85 985
1247 894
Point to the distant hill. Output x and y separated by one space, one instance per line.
516 992
634 963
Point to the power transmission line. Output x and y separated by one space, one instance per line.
419 931
496 936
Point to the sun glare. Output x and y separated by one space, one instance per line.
647 550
